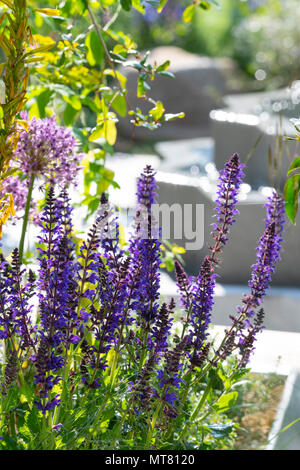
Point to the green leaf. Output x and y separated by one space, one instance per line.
238 374
294 166
216 380
189 13
119 105
142 87
163 66
165 73
95 52
82 137
33 421
105 181
161 5
138 6
42 100
69 115
126 4
97 133
10 401
205 5
225 402
220 430
74 101
157 111
291 195
110 131
27 392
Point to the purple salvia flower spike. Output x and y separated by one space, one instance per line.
248 323
229 184
202 302
145 250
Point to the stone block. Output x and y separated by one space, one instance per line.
248 126
240 252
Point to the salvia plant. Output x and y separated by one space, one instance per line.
94 358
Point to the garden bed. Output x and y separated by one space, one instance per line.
255 413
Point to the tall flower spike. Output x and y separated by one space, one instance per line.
268 250
184 285
142 391
145 249
56 297
169 376
110 235
5 283
229 184
197 293
202 302
11 372
18 302
247 340
276 212
268 254
90 266
161 329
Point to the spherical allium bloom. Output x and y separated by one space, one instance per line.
18 188
47 152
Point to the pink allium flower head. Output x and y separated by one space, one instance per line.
48 151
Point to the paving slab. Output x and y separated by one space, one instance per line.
275 351
257 124
281 304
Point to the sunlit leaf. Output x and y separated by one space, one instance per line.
49 11
225 402
291 196
189 13
157 111
95 52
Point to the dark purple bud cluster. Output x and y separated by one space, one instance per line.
184 285
142 391
169 377
161 329
202 302
10 372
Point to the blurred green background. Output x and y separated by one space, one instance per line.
262 36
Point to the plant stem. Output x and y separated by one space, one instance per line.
152 424
25 219
197 409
